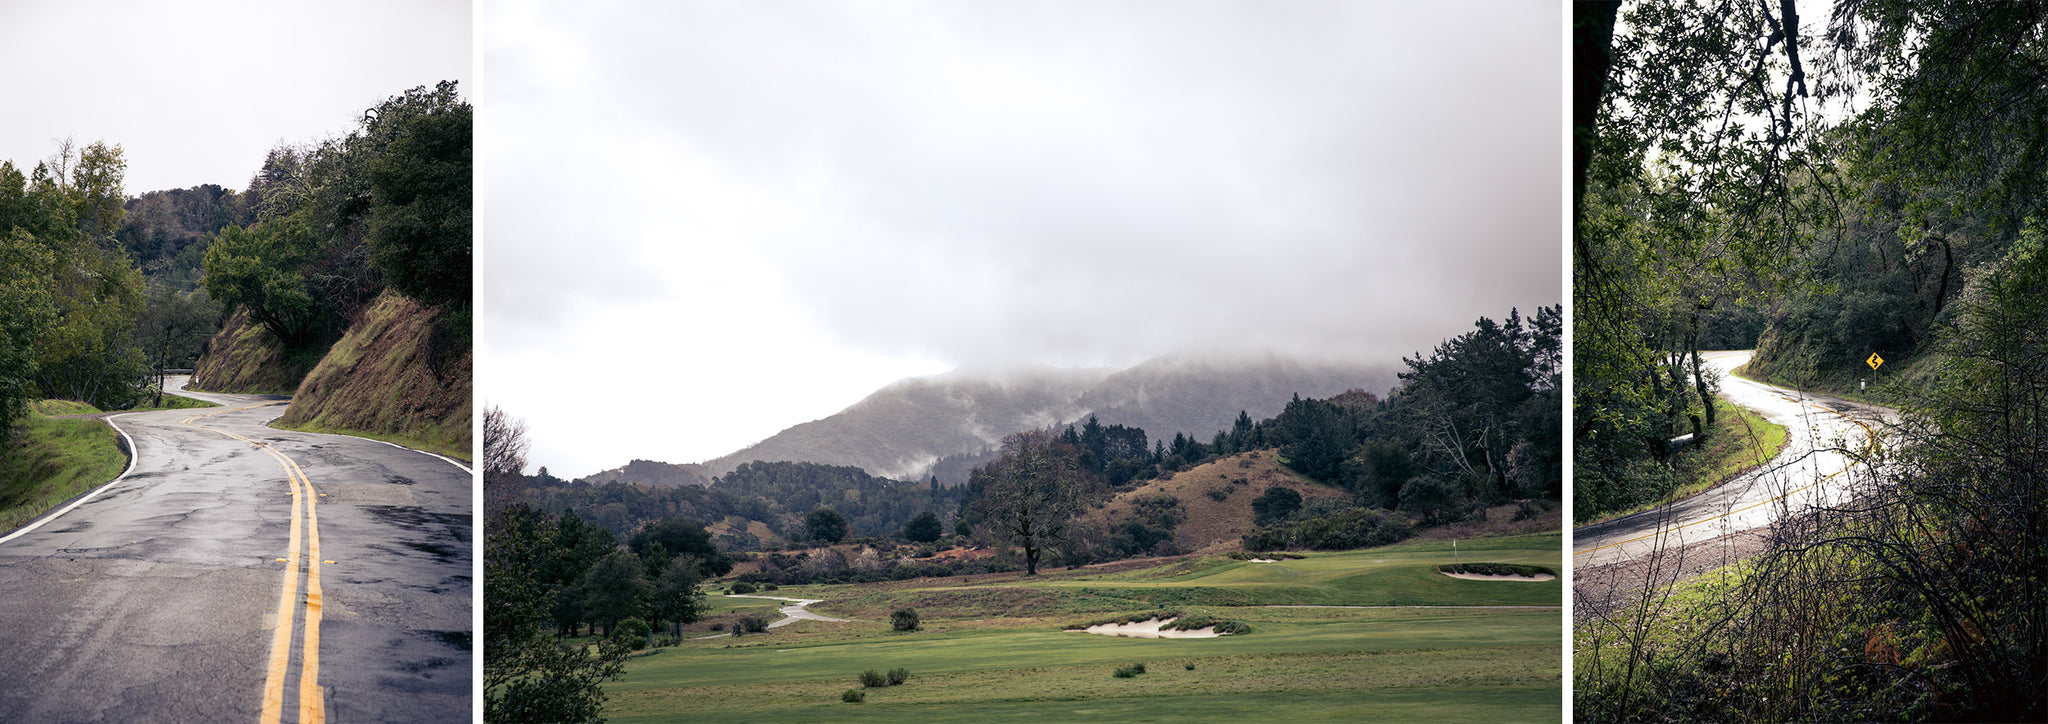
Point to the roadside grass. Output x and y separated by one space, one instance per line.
1741 442
439 445
53 460
994 649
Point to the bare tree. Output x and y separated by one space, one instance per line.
505 447
1030 494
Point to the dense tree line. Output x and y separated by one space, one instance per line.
71 294
335 223
781 494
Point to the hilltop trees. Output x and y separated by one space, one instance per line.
825 525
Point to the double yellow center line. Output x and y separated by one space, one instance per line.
311 707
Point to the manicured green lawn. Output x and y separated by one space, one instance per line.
1298 664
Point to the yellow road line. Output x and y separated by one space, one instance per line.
311 705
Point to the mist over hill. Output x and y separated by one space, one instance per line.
902 429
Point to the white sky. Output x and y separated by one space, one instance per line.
197 92
701 223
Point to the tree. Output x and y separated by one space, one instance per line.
924 528
903 619
615 588
504 461
678 537
26 294
1030 494
528 675
825 524
174 328
675 593
420 195
1274 505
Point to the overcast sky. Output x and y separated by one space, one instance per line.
701 223
197 92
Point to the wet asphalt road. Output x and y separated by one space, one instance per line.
1809 472
157 599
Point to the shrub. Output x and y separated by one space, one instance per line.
633 631
872 679
853 696
753 623
1125 672
1219 494
904 619
1189 666
743 588
898 675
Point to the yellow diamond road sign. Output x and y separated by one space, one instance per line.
1874 360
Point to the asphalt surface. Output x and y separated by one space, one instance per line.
1809 472
157 598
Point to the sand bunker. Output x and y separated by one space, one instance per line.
1500 577
1150 629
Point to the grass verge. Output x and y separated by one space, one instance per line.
52 460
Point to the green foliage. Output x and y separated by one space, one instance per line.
614 588
633 631
872 679
924 528
528 674
420 195
903 619
1342 530
678 537
743 588
898 675
853 696
1275 505
825 525
1126 672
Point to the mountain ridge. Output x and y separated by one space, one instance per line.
902 429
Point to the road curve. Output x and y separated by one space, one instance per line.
1809 472
158 596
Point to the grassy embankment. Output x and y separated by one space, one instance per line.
1741 441
382 380
56 458
994 648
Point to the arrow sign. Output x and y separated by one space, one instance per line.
1874 361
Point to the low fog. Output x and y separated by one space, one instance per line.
759 213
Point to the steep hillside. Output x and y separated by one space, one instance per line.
901 430
243 358
392 377
1212 524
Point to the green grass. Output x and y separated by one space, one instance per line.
997 650
175 402
51 460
